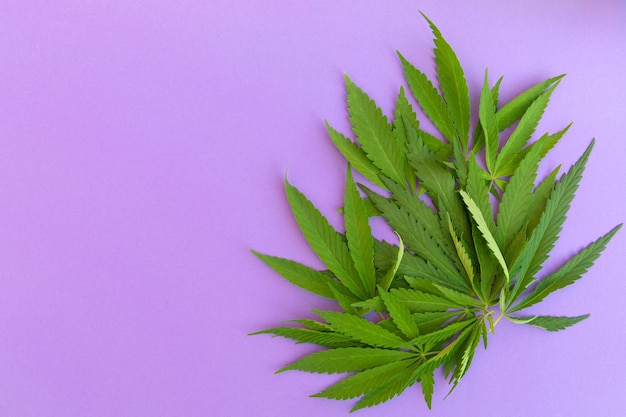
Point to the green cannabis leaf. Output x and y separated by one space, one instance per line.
474 227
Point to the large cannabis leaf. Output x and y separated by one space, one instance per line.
463 261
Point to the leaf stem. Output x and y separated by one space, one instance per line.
500 316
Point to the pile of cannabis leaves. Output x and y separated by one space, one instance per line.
473 229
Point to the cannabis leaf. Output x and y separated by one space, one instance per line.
473 227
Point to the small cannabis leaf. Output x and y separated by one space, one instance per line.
472 239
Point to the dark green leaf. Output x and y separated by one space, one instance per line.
540 198
344 298
420 302
545 234
300 275
458 297
428 98
352 359
400 315
363 382
568 273
487 115
440 184
431 321
405 129
361 329
415 268
325 241
428 382
550 323
355 156
468 354
521 134
321 338
375 133
452 83
416 237
545 143
516 199
389 387
443 334
516 108
359 235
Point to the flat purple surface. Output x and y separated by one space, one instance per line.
143 146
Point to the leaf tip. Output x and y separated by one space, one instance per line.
283 369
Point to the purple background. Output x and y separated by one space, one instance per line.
143 146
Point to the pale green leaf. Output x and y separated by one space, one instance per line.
484 229
313 325
466 261
391 273
478 188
